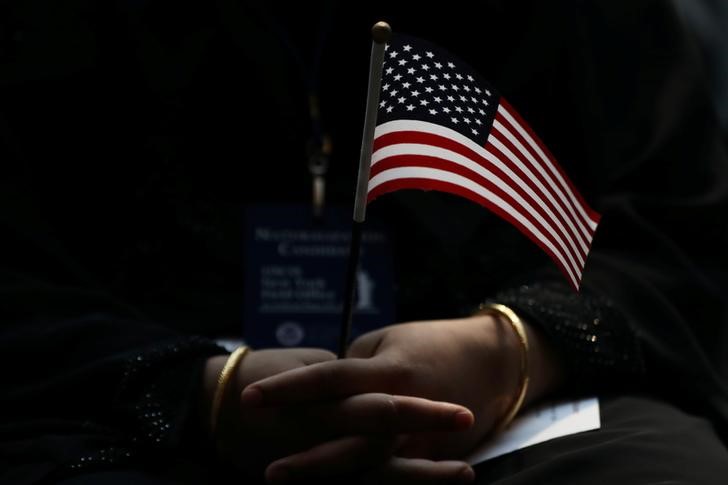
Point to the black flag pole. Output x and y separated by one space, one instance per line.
381 32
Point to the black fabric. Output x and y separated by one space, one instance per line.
641 441
133 132
93 392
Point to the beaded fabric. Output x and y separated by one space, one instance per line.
594 337
155 381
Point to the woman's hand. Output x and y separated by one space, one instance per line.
471 361
343 435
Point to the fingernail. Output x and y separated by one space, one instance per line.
463 419
467 475
252 397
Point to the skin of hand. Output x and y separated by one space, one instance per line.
470 361
343 436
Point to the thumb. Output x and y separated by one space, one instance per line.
308 356
367 345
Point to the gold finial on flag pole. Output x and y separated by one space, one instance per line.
381 32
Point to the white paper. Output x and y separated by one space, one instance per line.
543 423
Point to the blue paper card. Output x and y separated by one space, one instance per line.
295 267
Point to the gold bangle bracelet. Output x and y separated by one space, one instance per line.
222 382
518 327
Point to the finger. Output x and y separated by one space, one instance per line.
385 413
345 456
264 363
325 380
414 470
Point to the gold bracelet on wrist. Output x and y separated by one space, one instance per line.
523 378
226 373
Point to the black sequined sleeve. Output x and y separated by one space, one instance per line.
97 391
598 344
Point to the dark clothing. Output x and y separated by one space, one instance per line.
641 441
133 132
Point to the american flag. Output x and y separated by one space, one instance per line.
440 126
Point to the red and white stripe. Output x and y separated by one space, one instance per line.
513 175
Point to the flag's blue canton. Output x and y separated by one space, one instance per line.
422 82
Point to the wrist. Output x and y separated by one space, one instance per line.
546 367
210 375
530 367
221 397
491 338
